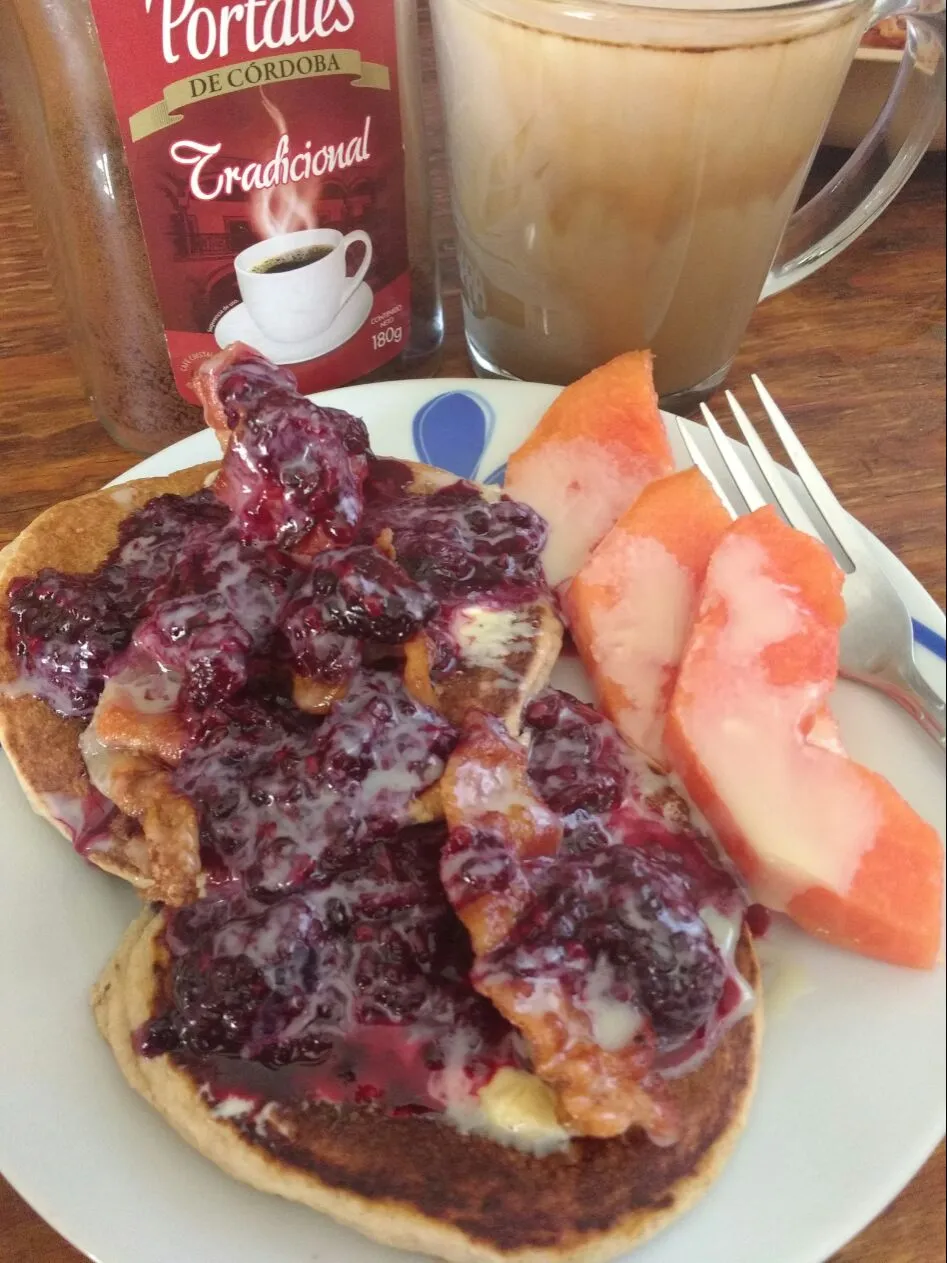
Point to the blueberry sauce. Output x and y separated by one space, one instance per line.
183 588
204 593
458 545
286 799
324 950
758 920
352 990
577 760
241 383
89 820
220 612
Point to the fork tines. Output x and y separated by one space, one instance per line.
780 492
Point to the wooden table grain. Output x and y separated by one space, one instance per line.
855 355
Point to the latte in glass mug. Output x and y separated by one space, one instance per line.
622 175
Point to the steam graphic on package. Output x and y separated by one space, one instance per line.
299 300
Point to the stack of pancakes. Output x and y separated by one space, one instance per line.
414 1182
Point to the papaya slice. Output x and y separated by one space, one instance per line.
596 447
815 834
630 606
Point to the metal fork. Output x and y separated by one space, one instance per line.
877 641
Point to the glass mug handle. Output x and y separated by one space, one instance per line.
881 164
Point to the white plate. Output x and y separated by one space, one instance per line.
851 1095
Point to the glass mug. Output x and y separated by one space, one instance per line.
624 176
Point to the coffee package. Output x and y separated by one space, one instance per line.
208 173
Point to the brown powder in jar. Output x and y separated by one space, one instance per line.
67 129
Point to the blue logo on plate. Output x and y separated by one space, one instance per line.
453 430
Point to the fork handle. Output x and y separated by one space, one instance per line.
904 684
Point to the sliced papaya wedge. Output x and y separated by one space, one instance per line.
596 447
815 834
630 606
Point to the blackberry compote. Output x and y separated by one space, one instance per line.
292 471
622 928
66 630
467 551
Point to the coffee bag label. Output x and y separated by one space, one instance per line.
264 144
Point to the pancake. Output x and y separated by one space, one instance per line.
417 1183
43 747
501 665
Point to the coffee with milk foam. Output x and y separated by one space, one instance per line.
624 182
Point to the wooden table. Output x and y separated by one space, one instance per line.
855 355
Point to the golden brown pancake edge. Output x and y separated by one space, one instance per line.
417 1183
43 748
